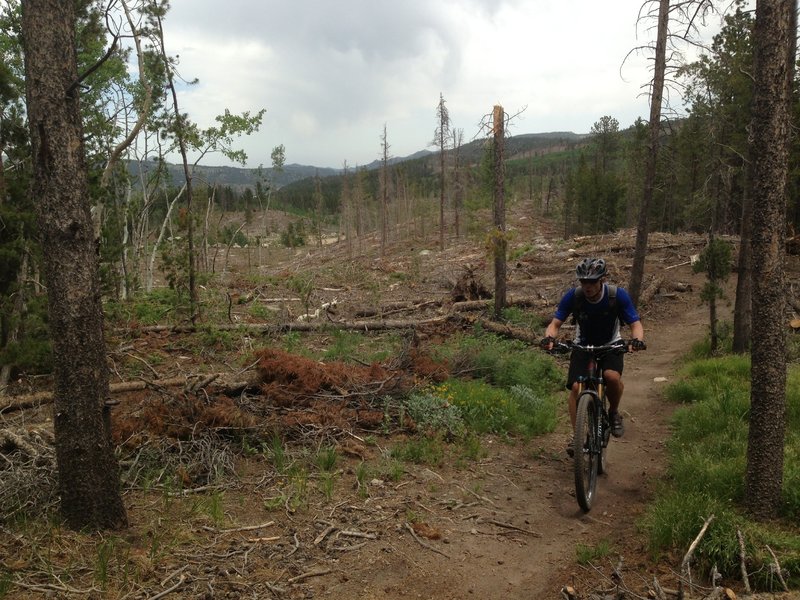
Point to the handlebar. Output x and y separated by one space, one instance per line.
618 346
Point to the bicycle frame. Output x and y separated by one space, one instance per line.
592 383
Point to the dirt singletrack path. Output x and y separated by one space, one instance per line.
509 525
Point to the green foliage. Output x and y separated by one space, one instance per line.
345 345
708 454
518 410
586 555
515 392
303 285
293 489
433 412
233 236
294 235
211 339
390 468
326 484
501 362
277 454
425 450
143 309
175 266
6 583
715 261
32 352
326 458
215 507
524 318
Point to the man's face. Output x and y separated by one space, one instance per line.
592 288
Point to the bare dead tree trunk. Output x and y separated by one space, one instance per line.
384 191
346 211
179 133
499 235
642 228
151 265
441 138
458 184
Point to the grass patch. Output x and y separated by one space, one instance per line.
425 450
144 308
518 410
708 458
501 362
512 390
586 555
519 317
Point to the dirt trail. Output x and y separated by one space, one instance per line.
529 487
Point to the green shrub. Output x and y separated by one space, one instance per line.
143 308
488 409
344 345
233 235
431 411
294 235
502 362
32 353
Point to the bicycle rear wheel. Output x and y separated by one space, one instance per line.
585 455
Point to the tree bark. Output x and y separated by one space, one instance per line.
642 228
499 237
774 52
88 479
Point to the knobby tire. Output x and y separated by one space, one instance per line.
602 464
586 461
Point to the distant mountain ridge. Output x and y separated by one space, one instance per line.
240 177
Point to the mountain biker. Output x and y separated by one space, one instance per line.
599 311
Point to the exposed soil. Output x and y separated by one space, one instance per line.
504 526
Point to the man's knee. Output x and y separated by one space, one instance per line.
612 377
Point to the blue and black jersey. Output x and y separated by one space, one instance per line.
598 322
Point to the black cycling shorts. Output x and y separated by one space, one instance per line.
578 361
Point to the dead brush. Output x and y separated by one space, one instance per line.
28 483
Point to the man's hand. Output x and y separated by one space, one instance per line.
547 343
636 345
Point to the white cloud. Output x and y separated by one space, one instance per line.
330 74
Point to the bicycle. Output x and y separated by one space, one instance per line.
592 423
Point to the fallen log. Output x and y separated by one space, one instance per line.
394 307
469 305
650 291
25 401
302 326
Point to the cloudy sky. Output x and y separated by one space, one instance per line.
331 73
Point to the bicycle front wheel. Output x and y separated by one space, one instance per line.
585 451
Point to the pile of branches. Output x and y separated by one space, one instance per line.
28 480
